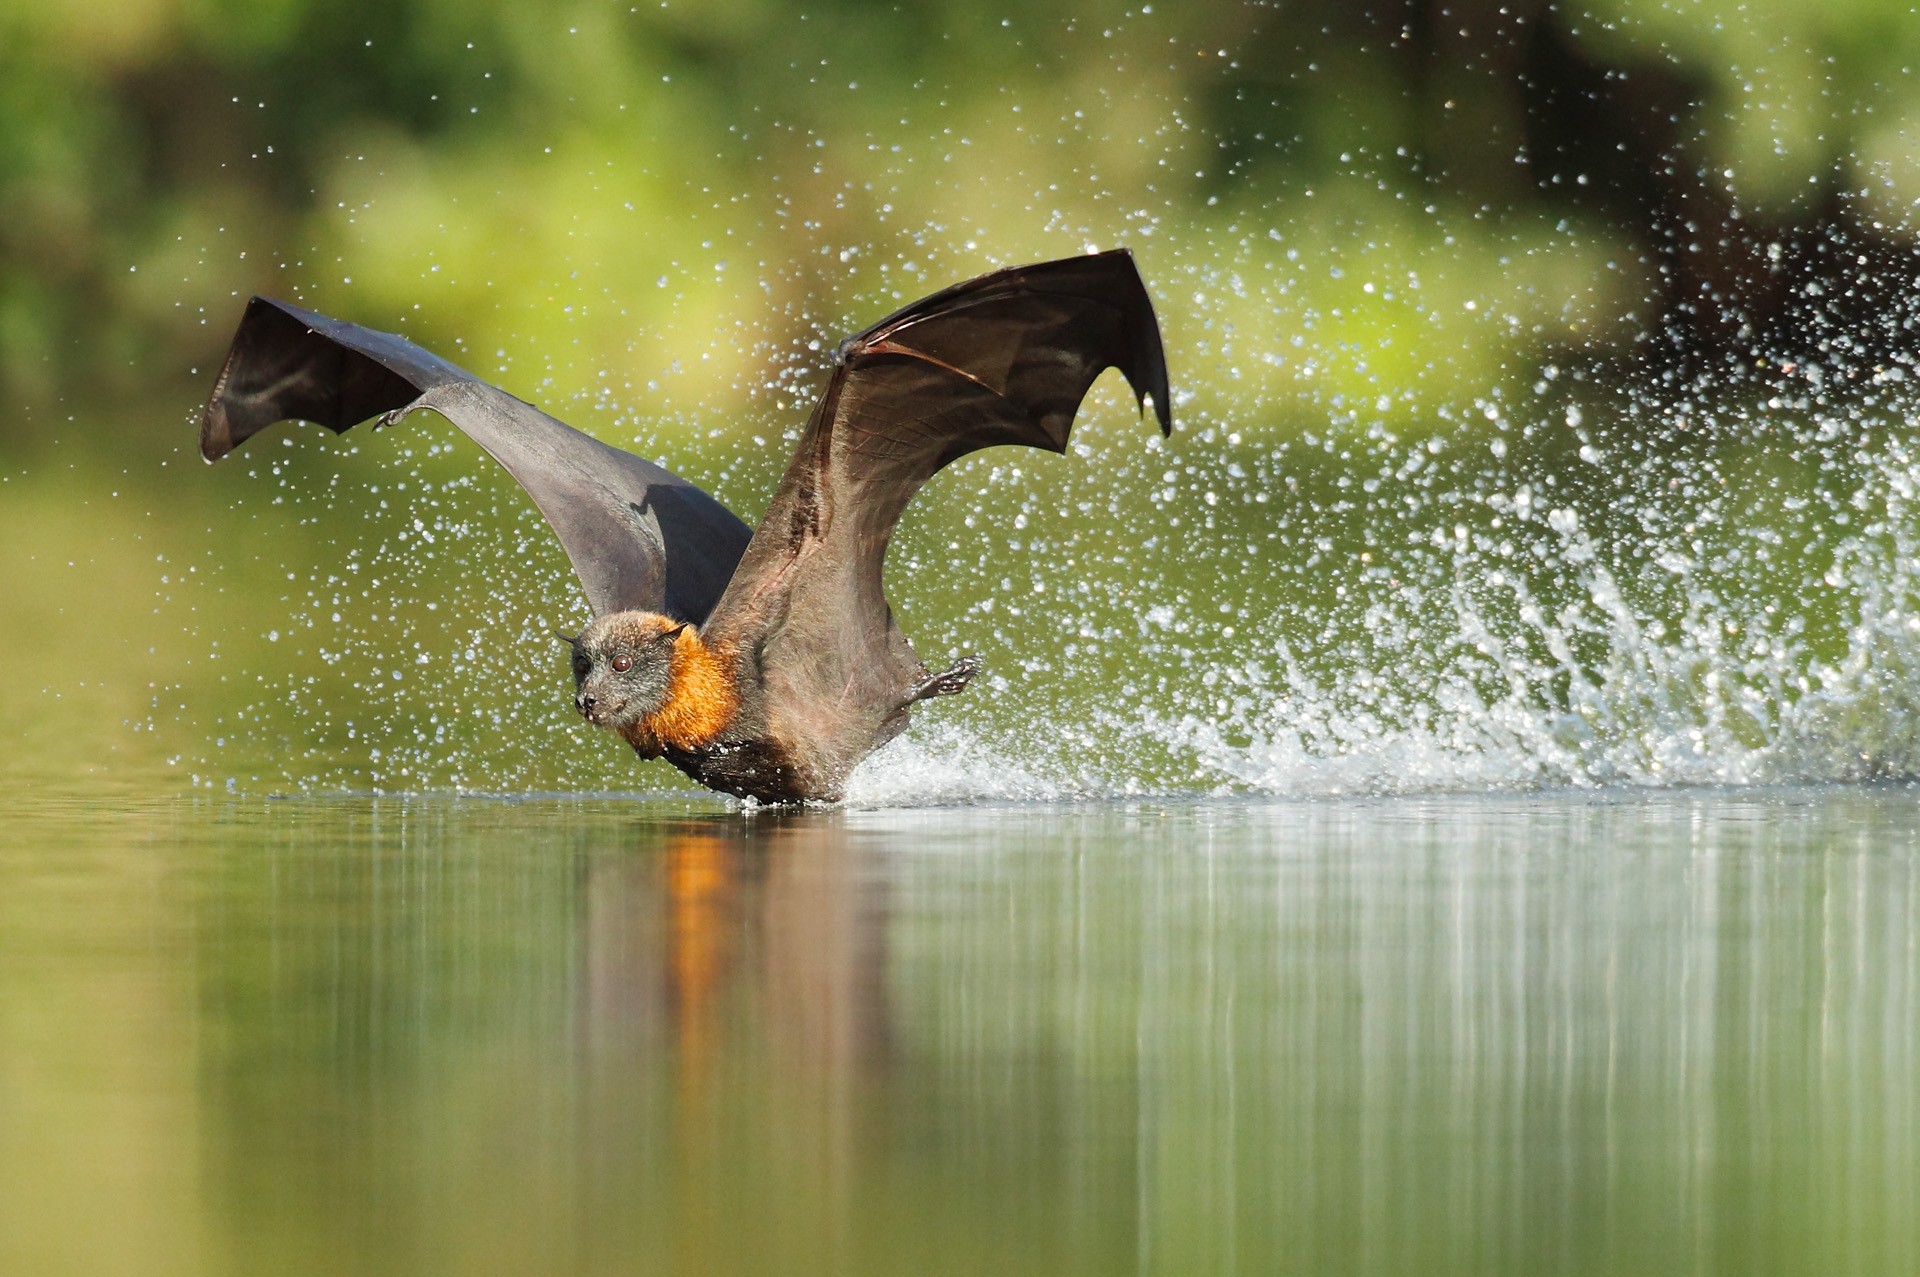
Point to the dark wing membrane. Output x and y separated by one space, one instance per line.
638 535
1005 358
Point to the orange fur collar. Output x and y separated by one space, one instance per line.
701 700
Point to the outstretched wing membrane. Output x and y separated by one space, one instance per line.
638 535
1002 359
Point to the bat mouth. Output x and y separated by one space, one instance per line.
601 713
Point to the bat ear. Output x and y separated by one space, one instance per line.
571 640
668 636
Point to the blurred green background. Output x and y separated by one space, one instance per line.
653 218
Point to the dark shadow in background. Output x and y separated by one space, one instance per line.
1500 107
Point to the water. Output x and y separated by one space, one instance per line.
1561 1033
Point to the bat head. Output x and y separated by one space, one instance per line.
623 667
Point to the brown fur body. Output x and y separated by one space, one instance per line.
707 721
704 710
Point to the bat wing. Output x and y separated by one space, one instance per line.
1005 358
638 535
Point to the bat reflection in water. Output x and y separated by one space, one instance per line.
762 662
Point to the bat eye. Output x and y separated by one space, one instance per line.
623 663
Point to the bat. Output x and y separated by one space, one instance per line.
762 662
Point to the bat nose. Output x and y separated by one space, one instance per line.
586 705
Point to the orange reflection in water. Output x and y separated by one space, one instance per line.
701 890
738 940
736 993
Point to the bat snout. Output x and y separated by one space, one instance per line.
588 707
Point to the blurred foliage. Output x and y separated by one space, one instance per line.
655 208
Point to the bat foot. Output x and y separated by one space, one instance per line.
947 682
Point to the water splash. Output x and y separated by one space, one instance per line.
1713 589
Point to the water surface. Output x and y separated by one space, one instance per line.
1650 1032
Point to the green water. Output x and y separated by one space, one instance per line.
1636 1032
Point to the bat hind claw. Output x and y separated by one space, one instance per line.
947 682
